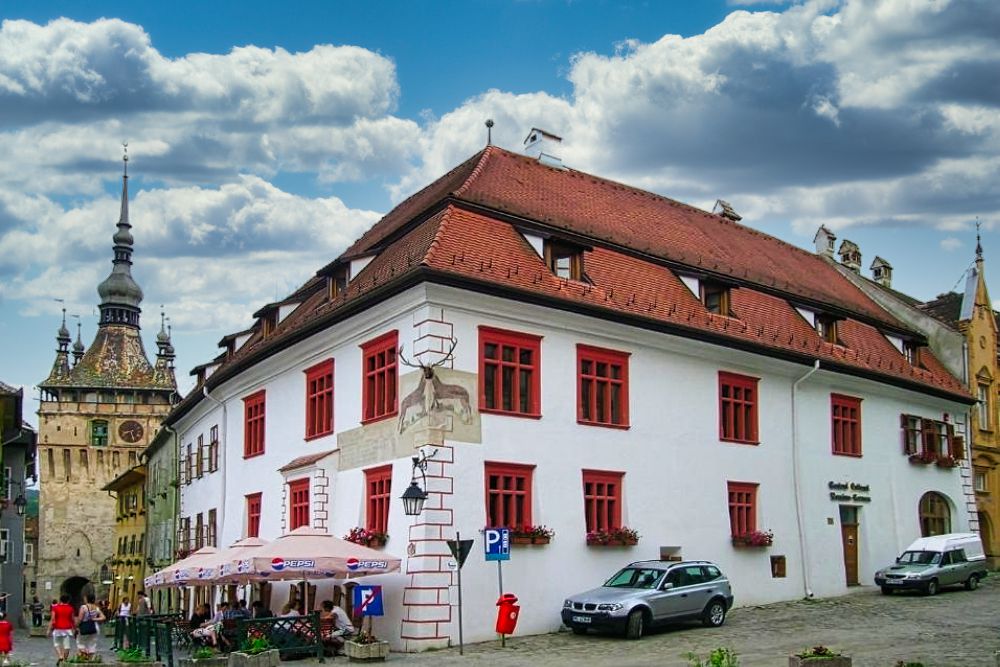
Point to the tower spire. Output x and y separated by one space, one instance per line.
979 244
120 295
78 348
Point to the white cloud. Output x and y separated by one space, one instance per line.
951 244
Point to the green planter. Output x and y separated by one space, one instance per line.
215 661
366 652
822 661
264 659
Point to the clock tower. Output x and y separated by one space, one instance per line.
98 410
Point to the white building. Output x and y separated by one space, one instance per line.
620 360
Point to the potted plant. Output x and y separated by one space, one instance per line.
365 646
720 657
365 537
623 536
819 656
924 458
204 656
529 534
136 657
82 658
946 461
755 538
255 652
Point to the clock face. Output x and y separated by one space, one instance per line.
130 431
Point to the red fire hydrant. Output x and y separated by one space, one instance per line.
507 611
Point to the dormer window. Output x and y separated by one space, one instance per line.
337 282
715 297
910 352
826 327
269 322
564 260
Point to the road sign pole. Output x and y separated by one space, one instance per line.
503 637
461 640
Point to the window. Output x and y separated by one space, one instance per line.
984 407
602 495
935 517
6 482
29 553
212 529
937 438
737 408
912 428
602 386
337 282
715 297
846 417
184 539
979 481
253 515
508 495
99 433
911 352
378 489
253 425
213 449
319 400
564 260
189 464
509 372
199 531
298 503
826 327
742 508
379 381
199 460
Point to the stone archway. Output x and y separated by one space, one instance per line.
935 514
986 532
76 588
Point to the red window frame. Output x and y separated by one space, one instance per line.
845 421
508 495
253 514
253 424
742 507
378 498
319 400
738 400
602 499
298 503
379 396
511 385
599 372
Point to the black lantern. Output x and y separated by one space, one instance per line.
416 495
20 504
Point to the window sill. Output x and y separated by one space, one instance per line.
614 543
733 441
372 420
848 455
504 413
528 539
317 436
250 456
620 427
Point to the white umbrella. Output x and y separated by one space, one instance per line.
181 572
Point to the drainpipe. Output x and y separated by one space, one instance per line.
797 484
222 455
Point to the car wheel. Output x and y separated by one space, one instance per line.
886 590
714 614
972 583
577 630
932 587
635 622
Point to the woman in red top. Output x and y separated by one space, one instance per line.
62 626
6 638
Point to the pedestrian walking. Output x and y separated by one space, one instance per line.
142 605
87 619
6 638
36 612
122 623
62 625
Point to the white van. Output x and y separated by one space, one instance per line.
932 562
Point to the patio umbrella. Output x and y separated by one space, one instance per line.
181 572
222 568
310 553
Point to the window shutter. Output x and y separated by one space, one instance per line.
957 445
928 435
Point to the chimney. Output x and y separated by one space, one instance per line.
824 240
882 272
544 146
850 255
725 209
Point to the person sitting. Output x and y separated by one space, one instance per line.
258 610
208 632
339 624
289 610
241 610
200 615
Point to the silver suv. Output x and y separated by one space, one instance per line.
652 592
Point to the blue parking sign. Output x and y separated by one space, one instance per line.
368 600
497 543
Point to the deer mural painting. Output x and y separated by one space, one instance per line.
432 395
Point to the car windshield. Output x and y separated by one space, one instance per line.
919 558
635 577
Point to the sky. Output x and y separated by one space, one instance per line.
264 137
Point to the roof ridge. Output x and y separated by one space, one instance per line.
484 155
429 255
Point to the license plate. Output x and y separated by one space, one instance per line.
893 582
581 619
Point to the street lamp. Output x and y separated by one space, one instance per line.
20 504
416 495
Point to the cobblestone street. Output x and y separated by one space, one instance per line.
954 629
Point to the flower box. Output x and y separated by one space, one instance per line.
214 661
819 661
615 537
269 658
923 458
613 542
754 539
365 537
946 462
377 650
529 539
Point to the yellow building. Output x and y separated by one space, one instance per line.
128 564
